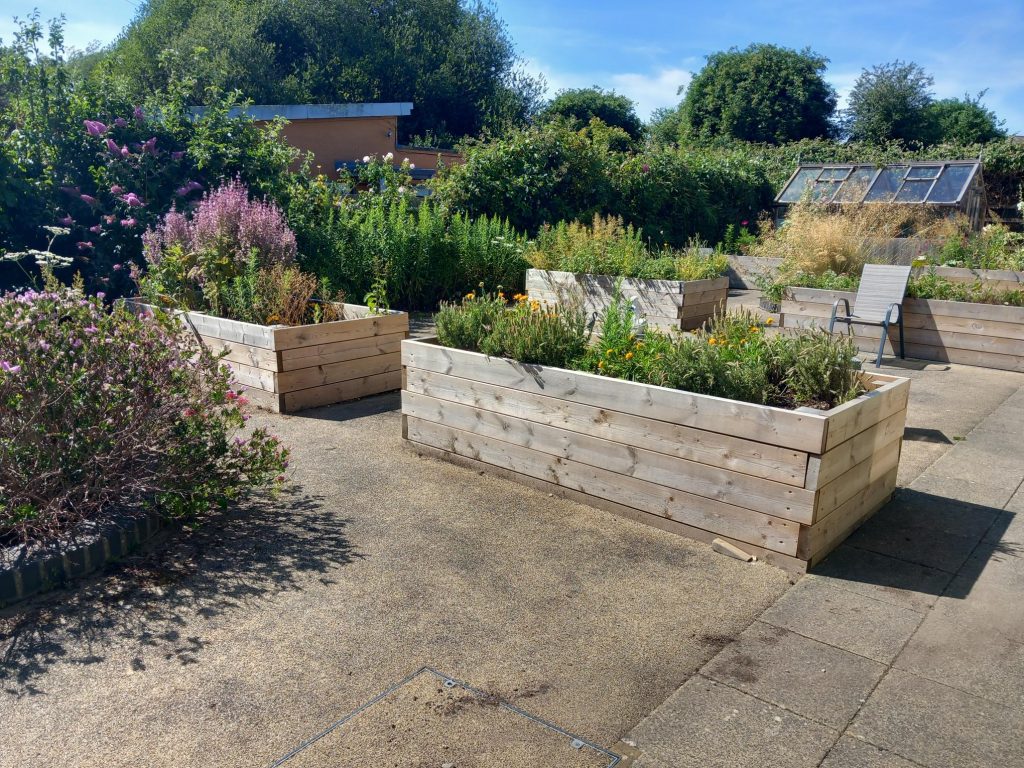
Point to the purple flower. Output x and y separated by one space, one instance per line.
138 114
177 155
9 367
116 267
120 122
647 168
150 146
91 330
95 127
112 147
189 188
124 152
43 345
133 200
88 199
130 222
96 229
101 295
67 221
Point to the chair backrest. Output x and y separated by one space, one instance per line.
881 285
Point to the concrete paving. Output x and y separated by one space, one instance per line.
905 647
232 646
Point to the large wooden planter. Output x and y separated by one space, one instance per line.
666 304
289 368
787 486
986 335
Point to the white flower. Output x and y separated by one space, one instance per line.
388 157
401 190
412 166
366 158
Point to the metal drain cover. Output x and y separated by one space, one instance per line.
430 720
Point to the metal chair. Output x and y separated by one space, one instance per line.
881 292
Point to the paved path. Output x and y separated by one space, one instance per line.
906 648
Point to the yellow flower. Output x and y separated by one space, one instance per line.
470 295
639 345
769 321
712 341
609 352
600 364
754 329
629 355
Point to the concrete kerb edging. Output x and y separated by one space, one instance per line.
42 575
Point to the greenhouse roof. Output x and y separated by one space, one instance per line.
935 182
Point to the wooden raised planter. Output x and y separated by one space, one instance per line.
667 304
985 335
785 485
288 368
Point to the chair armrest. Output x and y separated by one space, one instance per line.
899 312
835 307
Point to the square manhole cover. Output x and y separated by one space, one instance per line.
430 720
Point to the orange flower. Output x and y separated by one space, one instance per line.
629 355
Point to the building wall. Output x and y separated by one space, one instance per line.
350 139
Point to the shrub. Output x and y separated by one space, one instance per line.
276 295
424 255
105 414
608 247
995 247
931 286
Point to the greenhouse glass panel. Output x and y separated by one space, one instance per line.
886 185
914 191
951 184
924 171
795 190
855 186
823 191
834 174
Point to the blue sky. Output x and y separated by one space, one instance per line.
646 49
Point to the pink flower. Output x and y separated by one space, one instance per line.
191 186
150 146
110 219
112 147
91 330
84 245
133 200
95 127
67 221
117 189
116 267
95 229
9 367
744 223
88 199
189 412
130 222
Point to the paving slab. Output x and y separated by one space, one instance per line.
709 725
939 726
231 646
855 753
847 620
891 580
817 681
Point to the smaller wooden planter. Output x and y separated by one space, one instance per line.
666 304
985 335
288 368
785 485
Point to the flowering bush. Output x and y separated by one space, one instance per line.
111 413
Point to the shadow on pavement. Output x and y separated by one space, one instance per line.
252 552
919 541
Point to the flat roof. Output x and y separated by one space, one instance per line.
294 112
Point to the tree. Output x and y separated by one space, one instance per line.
454 60
891 101
762 93
665 125
584 104
964 121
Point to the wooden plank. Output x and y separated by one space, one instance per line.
804 314
716 517
854 417
340 330
250 376
786 562
333 373
697 310
323 354
352 389
733 488
853 482
765 424
236 352
822 470
818 540
714 449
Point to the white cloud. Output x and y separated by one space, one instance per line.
654 90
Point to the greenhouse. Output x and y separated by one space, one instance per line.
955 185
